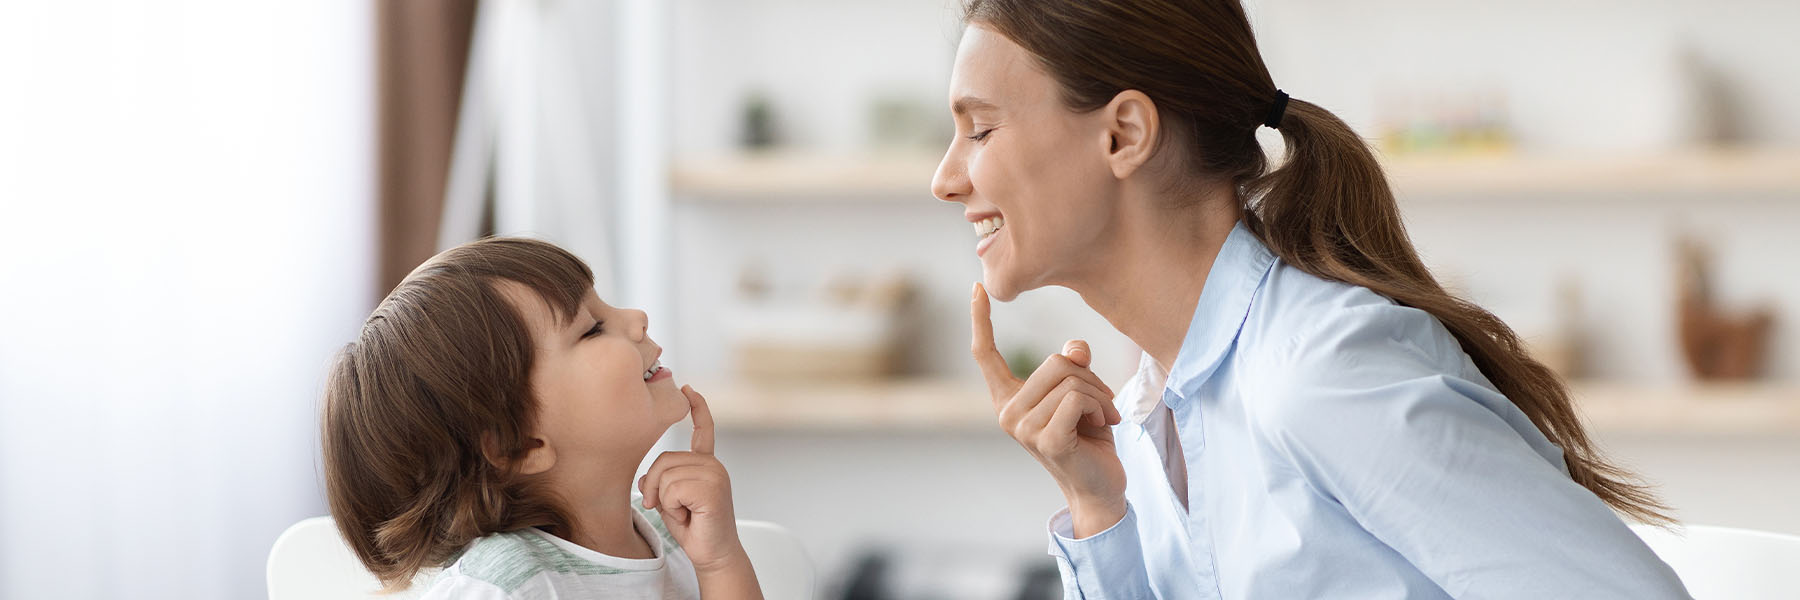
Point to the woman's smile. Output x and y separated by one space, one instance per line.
988 230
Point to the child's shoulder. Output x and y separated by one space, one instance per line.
506 562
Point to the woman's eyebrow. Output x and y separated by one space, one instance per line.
965 104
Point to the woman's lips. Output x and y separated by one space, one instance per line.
981 247
987 228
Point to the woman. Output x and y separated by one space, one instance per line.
1314 415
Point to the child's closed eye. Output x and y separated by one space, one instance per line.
593 331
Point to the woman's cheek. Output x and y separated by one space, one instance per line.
981 172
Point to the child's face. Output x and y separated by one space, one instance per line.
596 408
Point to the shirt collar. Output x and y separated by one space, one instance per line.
1236 275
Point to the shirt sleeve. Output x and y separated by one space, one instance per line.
1105 566
1380 411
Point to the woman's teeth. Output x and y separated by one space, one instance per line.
988 226
654 368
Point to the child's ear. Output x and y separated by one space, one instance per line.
539 457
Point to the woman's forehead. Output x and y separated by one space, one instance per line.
994 73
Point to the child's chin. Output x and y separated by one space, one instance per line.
671 409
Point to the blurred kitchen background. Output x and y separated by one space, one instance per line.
202 199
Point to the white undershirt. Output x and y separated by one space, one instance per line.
1141 402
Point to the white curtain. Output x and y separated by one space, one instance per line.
538 130
186 214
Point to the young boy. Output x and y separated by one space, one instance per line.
490 418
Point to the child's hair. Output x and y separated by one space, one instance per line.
425 410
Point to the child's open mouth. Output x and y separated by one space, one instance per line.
656 372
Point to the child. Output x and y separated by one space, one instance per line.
490 417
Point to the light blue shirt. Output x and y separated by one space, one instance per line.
1337 445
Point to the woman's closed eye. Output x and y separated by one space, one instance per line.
981 135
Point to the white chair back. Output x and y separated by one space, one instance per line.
1724 563
783 569
310 561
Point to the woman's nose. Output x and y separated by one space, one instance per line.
950 183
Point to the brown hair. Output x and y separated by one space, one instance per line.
444 362
1326 210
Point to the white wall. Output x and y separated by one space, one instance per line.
1581 75
1734 481
975 493
818 62
186 196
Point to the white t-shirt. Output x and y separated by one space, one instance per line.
530 564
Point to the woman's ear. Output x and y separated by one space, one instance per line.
539 456
1132 127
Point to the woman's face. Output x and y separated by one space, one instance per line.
603 397
1029 172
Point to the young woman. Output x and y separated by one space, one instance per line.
1314 415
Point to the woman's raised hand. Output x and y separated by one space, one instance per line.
1062 415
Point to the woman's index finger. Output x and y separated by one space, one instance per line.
1000 380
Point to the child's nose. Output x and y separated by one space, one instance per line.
643 324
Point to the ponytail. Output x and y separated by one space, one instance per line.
1329 211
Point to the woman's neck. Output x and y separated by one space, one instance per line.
600 514
1147 279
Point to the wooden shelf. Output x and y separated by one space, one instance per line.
958 405
1699 408
898 405
907 177
1698 172
806 178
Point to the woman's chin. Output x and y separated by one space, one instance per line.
1001 283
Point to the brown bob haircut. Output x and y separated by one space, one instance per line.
443 364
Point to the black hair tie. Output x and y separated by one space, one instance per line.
1276 110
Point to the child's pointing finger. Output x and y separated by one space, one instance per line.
703 421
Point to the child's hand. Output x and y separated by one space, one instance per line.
693 493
